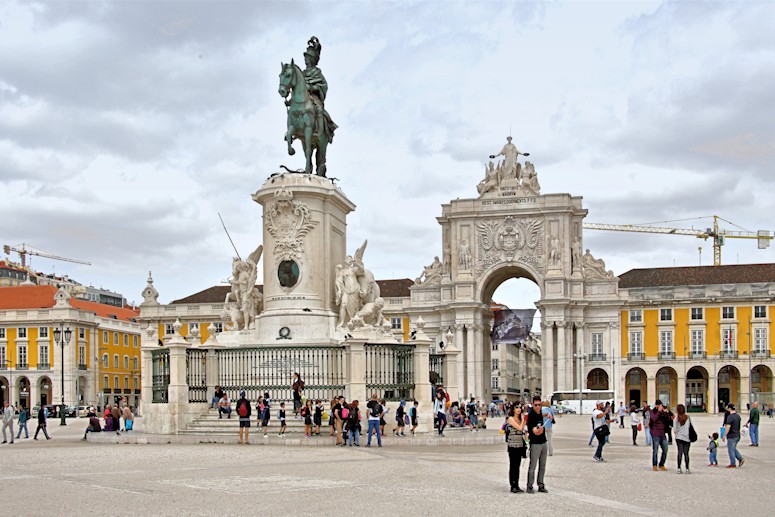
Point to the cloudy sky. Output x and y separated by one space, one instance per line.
125 127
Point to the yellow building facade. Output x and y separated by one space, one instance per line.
698 336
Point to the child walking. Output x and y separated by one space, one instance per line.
712 450
318 419
413 416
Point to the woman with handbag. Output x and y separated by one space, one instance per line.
636 425
515 440
682 425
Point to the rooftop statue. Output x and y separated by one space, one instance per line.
305 94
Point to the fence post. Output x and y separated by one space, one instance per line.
212 374
178 388
355 370
148 345
423 391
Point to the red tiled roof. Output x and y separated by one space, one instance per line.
698 275
6 265
42 297
395 288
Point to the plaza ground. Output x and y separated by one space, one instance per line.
65 476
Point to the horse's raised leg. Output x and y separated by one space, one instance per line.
289 137
320 156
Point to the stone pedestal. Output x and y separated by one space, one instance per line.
304 236
355 365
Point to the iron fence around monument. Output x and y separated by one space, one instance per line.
270 370
196 377
160 360
436 367
390 371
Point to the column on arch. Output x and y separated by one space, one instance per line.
547 360
471 367
562 357
578 382
461 362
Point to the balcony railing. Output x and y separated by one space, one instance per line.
596 357
22 366
636 356
667 355
44 366
728 354
137 391
82 367
698 355
761 353
107 391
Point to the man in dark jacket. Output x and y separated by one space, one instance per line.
42 423
659 420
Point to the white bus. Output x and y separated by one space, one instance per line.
570 399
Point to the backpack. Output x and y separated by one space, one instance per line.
242 409
353 417
376 410
345 413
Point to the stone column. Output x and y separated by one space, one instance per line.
743 391
355 370
562 358
471 368
148 345
460 360
578 382
422 385
451 379
547 360
681 395
651 389
483 367
712 402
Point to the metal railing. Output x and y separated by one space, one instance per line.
728 354
82 366
698 355
160 375
196 377
436 367
596 357
390 371
761 353
270 370
636 356
667 355
44 366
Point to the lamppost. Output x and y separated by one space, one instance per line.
750 352
62 337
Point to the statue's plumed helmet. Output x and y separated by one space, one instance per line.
313 49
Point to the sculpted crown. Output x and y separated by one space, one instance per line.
283 195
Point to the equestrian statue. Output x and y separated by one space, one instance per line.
305 94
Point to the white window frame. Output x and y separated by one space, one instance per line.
728 339
82 354
760 311
495 383
666 345
218 327
636 342
105 337
665 312
636 315
126 362
21 351
105 361
697 340
106 383
494 364
2 332
494 346
126 339
126 383
115 361
169 329
134 363
760 339
21 333
43 332
692 312
116 384
81 333
725 313
43 354
115 338
397 323
597 343
134 341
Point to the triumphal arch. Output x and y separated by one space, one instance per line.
513 230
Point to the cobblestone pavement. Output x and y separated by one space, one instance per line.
65 476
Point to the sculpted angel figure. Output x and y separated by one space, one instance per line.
244 293
354 286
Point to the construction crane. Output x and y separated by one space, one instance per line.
23 250
718 235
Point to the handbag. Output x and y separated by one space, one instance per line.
692 433
640 427
602 431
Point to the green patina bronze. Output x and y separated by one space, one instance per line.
305 94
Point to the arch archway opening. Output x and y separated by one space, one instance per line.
635 386
761 381
697 394
728 386
45 388
597 379
667 386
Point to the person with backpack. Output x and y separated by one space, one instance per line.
375 411
413 415
400 413
317 419
473 417
23 417
243 412
266 413
353 424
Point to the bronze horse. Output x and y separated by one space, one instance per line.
302 118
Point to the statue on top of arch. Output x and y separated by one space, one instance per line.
509 174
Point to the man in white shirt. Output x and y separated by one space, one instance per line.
622 412
440 410
7 420
224 406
